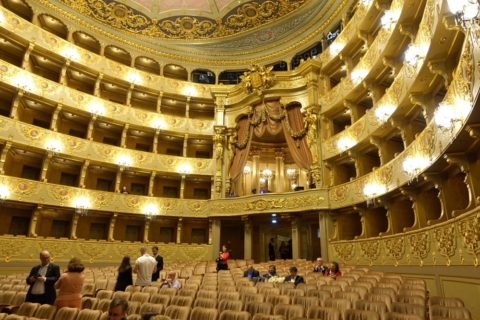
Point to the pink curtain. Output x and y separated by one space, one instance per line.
298 147
241 155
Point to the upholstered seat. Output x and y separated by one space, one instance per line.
234 315
104 294
87 314
178 312
103 305
208 294
437 311
45 311
352 314
446 302
408 308
317 312
280 299
205 303
67 314
289 311
89 302
262 307
160 298
234 305
228 295
401 316
182 301
306 302
151 308
200 313
141 297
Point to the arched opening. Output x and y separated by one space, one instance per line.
53 25
175 72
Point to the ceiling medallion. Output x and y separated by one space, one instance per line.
258 79
242 18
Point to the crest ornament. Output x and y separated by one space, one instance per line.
257 79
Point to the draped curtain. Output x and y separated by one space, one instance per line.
244 134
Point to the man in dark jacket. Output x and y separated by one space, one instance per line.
159 260
251 273
42 280
294 277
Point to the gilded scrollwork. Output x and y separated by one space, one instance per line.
346 251
370 249
395 248
446 241
420 245
257 79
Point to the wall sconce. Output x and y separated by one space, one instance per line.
124 161
292 173
374 189
54 146
81 204
467 12
24 81
267 173
189 91
150 210
383 112
413 54
4 193
444 116
158 124
336 47
345 143
71 53
2 17
96 108
134 78
389 18
412 165
365 3
247 170
185 168
358 75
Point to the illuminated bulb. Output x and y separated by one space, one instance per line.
124 160
336 47
185 168
54 145
345 143
158 123
71 53
4 192
96 108
384 112
389 18
374 189
467 8
412 54
444 115
134 78
267 173
81 204
24 81
358 75
189 91
2 17
291 173
365 3
413 164
150 209
247 170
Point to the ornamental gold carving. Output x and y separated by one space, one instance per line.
420 245
395 248
345 251
257 79
370 249
446 241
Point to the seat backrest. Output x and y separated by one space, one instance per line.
446 302
401 316
160 298
352 296
234 305
449 312
205 303
294 292
187 292
122 295
341 304
151 308
261 316
18 299
208 294
320 294
89 303
45 311
133 288
101 284
255 307
306 302
161 317
353 314
413 292
253 297
133 307
269 291
361 290
6 297
151 290
411 299
87 314
378 307
104 294
289 311
228 296
200 313
103 305
168 291
209 286
384 298
385 291
408 308
66 314
278 299
140 297
234 315
178 312
317 312
181 301
88 289
27 309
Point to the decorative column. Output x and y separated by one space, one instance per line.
146 229
15 104
255 168
45 164
128 101
185 145
111 228
247 242
151 183
216 224
182 187
155 141
32 230
3 156
90 127
83 174
73 230
187 108
118 179
26 65
279 172
96 89
63 73
323 226
179 230
218 141
54 123
313 142
295 238
123 141
159 102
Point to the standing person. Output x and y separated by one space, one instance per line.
42 280
320 267
70 285
159 260
283 250
271 249
124 278
145 266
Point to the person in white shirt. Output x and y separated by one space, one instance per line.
171 281
145 266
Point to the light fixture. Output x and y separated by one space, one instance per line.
345 143
158 124
185 168
54 146
24 81
365 3
267 173
274 221
445 115
71 53
467 12
358 75
2 17
81 204
412 165
374 189
384 111
124 161
96 108
150 210
390 17
413 54
292 173
134 77
274 215
247 170
189 91
336 47
4 193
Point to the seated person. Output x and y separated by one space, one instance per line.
320 267
294 277
171 281
118 309
222 260
251 272
272 272
334 271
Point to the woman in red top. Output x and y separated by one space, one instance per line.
334 271
222 260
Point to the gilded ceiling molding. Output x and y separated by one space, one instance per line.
243 18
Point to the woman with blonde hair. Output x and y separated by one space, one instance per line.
70 284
